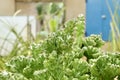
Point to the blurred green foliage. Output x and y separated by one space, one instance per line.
115 24
60 57
51 17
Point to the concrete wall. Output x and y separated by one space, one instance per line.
7 7
27 8
74 8
39 0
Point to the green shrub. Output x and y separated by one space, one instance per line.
59 57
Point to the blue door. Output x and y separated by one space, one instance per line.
98 18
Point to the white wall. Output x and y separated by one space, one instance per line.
18 23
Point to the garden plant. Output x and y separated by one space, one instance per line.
65 55
115 24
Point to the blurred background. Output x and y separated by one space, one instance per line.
26 21
23 21
28 7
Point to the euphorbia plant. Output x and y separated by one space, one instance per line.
106 67
59 57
